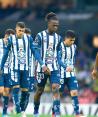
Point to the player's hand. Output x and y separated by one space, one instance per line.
69 69
46 70
1 73
94 74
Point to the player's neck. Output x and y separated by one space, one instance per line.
18 36
50 32
66 44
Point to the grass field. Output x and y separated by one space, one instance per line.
44 116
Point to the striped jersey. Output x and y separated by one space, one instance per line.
21 48
66 58
8 62
46 50
32 66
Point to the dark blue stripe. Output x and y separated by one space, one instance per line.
42 48
24 46
71 58
54 49
29 50
17 47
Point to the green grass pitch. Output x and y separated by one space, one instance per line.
45 116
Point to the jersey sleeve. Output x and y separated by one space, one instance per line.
59 56
6 53
36 49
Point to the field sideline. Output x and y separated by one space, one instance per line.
44 116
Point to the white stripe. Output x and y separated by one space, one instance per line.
26 44
55 52
15 52
51 43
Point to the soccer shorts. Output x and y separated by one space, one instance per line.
5 80
42 78
31 83
71 83
20 78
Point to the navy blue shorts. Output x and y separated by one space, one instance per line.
42 78
20 78
5 80
31 83
71 83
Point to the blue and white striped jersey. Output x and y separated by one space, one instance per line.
66 57
21 52
32 66
46 50
8 62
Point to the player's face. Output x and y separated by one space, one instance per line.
20 31
53 25
70 41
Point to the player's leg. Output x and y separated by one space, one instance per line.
6 93
24 84
73 87
15 79
1 84
42 79
55 81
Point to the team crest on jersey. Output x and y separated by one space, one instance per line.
49 54
21 56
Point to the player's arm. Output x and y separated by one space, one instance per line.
59 56
36 49
6 52
96 62
95 70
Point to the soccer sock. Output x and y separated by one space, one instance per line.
16 99
24 100
56 107
75 104
36 106
5 104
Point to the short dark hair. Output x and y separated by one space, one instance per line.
28 30
70 33
20 24
9 31
51 16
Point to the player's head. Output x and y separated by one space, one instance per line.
70 37
20 29
9 32
28 31
52 21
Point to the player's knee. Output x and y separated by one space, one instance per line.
6 91
24 89
55 91
40 90
55 86
1 90
74 93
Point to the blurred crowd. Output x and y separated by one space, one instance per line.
36 9
32 9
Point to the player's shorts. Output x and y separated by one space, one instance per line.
5 80
42 78
20 78
71 83
31 83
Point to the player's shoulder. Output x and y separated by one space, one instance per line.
74 45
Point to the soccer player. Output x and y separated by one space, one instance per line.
32 65
66 59
45 52
95 70
5 79
20 43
